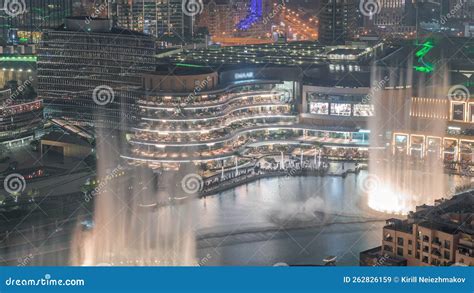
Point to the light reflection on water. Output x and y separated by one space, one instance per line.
298 220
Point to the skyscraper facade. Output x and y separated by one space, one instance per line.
154 17
238 18
396 16
461 9
337 19
87 70
23 21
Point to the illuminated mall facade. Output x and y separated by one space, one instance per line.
205 116
21 119
218 117
209 113
457 143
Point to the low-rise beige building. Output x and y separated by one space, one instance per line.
441 235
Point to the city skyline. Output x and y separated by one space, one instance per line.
237 132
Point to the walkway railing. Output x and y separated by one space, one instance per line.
230 179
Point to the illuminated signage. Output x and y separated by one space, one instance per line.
244 75
423 65
458 112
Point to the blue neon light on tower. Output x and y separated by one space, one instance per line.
255 14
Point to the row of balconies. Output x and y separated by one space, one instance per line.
250 134
205 114
52 38
435 243
198 101
65 86
125 63
227 123
81 47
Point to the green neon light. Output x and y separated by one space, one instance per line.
189 65
425 69
425 66
426 47
18 58
469 49
469 84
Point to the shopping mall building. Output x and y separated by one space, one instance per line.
196 114
201 111
21 117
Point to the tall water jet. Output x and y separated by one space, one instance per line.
140 218
402 173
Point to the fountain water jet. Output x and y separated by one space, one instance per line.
137 220
400 181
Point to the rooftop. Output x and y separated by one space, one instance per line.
183 69
434 217
65 138
92 25
441 226
342 51
291 54
399 225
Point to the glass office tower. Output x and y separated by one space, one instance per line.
154 17
22 21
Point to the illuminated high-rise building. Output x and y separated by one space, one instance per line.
24 22
461 10
154 17
337 19
219 17
80 64
239 18
397 16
